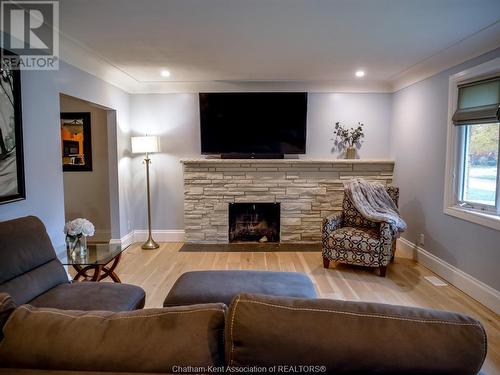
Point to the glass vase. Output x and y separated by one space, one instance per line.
77 245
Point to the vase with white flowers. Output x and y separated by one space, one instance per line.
348 139
77 232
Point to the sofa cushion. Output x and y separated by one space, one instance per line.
28 262
152 340
92 296
351 337
7 306
222 286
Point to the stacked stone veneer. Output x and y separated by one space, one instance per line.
308 190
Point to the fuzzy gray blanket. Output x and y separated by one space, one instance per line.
374 203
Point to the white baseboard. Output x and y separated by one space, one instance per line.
125 241
141 235
478 290
164 235
405 249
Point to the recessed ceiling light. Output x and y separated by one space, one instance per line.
360 73
165 73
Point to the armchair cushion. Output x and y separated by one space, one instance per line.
359 246
355 239
353 218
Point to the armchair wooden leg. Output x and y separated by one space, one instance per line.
326 262
382 270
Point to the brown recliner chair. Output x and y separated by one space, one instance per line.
31 273
350 238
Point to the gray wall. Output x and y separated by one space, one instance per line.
42 144
86 193
175 117
373 110
419 126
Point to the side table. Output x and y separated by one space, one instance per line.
97 264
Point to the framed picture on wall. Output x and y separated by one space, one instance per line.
76 142
11 135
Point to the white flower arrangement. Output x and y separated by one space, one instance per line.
79 227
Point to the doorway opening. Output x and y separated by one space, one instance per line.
88 165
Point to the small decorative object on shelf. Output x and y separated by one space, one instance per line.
348 140
77 232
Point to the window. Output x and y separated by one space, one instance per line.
478 187
472 190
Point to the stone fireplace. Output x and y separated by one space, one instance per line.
306 191
254 222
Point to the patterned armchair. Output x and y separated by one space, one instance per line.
350 238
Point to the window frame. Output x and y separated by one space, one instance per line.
455 150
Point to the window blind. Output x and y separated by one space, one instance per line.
478 102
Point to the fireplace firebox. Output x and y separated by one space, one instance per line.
254 222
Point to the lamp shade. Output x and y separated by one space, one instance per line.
145 144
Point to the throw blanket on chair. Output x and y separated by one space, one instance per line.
374 203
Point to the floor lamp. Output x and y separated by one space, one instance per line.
147 145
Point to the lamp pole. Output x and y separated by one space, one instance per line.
150 244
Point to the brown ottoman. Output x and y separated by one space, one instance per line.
222 286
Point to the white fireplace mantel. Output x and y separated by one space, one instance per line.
210 160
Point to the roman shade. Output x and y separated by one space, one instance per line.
478 102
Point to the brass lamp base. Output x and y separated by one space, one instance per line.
150 244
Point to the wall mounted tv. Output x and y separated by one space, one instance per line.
256 125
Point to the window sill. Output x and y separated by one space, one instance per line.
481 218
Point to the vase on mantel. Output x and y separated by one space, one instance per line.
350 153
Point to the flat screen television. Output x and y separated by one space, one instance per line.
253 124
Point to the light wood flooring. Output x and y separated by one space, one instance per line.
157 270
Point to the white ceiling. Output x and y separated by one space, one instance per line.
216 43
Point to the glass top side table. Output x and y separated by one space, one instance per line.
98 263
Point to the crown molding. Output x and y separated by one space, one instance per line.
255 86
477 44
82 57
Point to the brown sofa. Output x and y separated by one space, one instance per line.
31 273
256 334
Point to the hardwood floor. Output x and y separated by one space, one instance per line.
157 270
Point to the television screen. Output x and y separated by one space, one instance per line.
253 123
